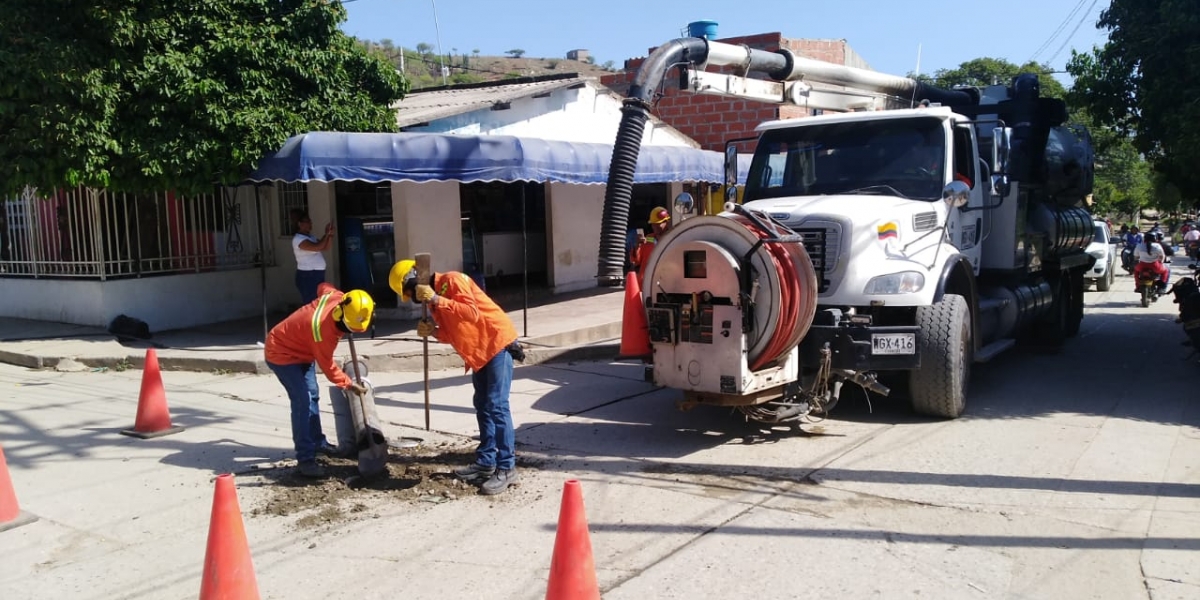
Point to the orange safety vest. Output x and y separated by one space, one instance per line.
469 320
310 335
641 255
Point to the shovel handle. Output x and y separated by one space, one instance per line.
423 260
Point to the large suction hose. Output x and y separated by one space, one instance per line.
618 193
634 114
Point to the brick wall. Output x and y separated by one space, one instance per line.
711 120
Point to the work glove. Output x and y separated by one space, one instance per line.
424 294
359 389
425 328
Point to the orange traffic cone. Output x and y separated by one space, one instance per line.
10 512
228 570
153 418
572 571
635 335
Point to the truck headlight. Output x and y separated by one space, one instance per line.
904 282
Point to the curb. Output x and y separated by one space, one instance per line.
413 362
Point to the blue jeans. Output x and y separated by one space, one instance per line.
497 440
300 382
307 282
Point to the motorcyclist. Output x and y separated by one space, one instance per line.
1191 242
1132 239
1150 257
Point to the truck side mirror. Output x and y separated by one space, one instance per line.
1001 146
731 165
684 204
956 194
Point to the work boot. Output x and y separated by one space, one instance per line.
310 469
499 482
337 451
474 472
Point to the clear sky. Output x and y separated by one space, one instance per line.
886 33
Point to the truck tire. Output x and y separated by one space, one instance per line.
1105 283
939 387
1075 285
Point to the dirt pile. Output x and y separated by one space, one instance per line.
414 475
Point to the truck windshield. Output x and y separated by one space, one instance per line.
894 157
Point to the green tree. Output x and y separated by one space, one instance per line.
141 95
1123 178
1124 185
985 71
1144 82
516 53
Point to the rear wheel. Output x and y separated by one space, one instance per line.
939 387
1145 295
1074 287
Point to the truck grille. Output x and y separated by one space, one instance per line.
821 245
925 221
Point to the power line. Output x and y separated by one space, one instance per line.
1054 35
1073 31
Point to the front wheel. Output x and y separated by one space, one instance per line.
1105 283
939 387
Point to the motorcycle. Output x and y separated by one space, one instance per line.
1192 250
1127 259
1151 287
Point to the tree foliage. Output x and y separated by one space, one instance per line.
516 53
985 71
1123 178
140 95
1145 81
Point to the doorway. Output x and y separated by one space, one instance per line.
504 238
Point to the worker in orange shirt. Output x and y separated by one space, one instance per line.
307 340
483 335
660 223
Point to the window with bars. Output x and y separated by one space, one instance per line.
106 235
293 201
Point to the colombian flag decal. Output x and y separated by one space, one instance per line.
889 231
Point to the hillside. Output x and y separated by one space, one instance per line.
423 67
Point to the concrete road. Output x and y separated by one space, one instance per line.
1069 477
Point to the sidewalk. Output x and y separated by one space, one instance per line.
583 325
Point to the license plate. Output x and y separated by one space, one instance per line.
893 343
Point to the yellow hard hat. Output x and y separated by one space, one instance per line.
401 272
355 310
659 214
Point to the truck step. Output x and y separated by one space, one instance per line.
991 304
990 351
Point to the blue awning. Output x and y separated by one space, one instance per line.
385 157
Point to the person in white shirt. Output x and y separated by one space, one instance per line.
310 262
1191 243
1150 255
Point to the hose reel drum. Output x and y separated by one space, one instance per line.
728 297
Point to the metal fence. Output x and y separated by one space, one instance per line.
96 234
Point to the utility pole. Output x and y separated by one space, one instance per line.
438 31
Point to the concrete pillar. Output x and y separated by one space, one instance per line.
428 218
573 216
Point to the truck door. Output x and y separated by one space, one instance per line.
965 228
